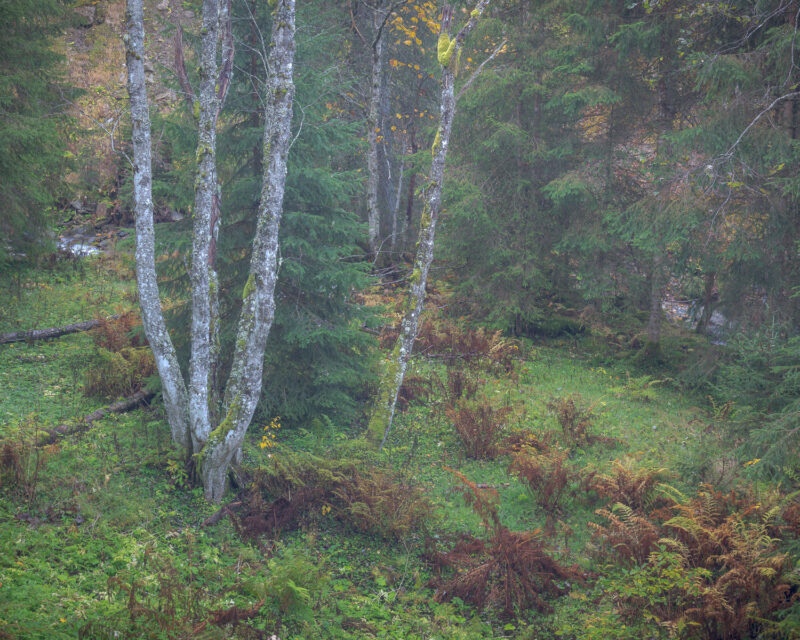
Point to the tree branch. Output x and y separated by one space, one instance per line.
180 70
478 71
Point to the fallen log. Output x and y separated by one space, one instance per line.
45 334
49 436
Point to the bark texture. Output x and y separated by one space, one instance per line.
380 422
193 415
155 329
205 187
374 123
258 300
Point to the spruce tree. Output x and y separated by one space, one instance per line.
32 120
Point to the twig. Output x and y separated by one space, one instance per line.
478 71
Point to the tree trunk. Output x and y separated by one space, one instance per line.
258 300
396 207
173 386
215 448
373 133
205 185
708 302
653 346
383 410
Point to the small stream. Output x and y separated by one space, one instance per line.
84 242
687 312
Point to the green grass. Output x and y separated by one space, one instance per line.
108 509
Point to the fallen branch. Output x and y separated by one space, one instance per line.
46 334
87 422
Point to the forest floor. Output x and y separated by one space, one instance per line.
101 536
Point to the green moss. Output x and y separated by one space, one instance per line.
225 427
249 286
437 142
475 13
272 3
379 419
445 49
196 109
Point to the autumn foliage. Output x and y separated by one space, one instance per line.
506 570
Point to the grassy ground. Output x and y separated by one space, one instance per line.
99 534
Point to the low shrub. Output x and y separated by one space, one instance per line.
630 485
119 373
296 487
547 474
507 570
479 425
474 347
712 555
573 417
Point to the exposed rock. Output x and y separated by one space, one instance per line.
163 5
101 211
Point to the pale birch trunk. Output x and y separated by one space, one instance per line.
373 133
258 301
205 186
218 447
380 421
155 329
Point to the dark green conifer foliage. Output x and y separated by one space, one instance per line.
317 361
32 147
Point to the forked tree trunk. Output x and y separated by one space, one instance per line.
258 301
214 448
382 414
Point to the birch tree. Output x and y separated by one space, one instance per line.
449 53
192 413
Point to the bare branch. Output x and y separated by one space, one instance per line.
729 153
228 51
180 69
478 71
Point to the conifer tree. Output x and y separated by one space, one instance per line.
32 121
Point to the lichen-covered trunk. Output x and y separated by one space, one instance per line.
373 136
258 301
202 271
155 329
382 414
